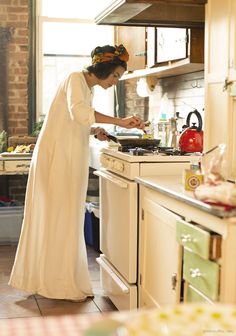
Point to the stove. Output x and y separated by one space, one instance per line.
149 163
119 215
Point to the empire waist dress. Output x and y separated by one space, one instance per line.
51 257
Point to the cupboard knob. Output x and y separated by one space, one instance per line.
185 238
195 272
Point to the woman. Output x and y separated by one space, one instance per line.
51 256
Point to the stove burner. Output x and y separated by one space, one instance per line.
153 150
140 151
128 148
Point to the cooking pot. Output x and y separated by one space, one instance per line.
191 139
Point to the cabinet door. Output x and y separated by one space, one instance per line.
220 122
159 256
171 44
134 39
232 77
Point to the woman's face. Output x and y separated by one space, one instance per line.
112 79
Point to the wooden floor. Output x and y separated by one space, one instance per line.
15 304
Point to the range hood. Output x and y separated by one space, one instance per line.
162 13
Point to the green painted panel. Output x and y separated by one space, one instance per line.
193 238
195 296
202 274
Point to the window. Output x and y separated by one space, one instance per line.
65 44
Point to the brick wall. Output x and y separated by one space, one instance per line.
14 17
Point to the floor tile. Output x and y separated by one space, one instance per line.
14 303
11 307
7 291
62 307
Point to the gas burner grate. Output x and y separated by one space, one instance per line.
153 150
130 148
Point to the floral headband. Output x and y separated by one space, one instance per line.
120 52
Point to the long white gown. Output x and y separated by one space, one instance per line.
51 257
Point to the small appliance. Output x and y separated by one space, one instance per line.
191 139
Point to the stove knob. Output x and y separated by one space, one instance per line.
110 163
119 166
103 161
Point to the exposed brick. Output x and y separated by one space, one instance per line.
23 2
15 9
4 2
13 17
12 108
18 24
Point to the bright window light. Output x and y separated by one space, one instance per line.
80 9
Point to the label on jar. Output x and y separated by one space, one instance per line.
192 179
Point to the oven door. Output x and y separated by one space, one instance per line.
122 294
118 223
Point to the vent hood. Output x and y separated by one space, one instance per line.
162 13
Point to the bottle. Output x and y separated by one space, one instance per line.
149 130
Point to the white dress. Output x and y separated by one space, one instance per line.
51 257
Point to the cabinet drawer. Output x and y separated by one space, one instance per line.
198 240
192 295
17 166
202 274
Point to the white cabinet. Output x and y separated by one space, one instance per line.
220 71
159 254
207 247
133 38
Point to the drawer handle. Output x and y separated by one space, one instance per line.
195 273
174 281
186 238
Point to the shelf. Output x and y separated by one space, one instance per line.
172 69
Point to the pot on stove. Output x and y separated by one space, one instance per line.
191 139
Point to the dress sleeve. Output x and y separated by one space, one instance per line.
79 101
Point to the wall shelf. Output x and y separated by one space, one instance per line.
174 68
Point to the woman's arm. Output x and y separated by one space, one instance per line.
129 122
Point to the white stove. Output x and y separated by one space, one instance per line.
119 204
130 166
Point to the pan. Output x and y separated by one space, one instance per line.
135 142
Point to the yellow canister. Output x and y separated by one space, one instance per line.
192 179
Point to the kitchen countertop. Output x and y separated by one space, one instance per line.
173 186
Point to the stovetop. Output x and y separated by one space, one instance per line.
151 155
140 151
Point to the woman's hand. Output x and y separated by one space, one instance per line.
132 122
100 133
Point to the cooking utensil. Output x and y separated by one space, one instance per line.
191 139
113 138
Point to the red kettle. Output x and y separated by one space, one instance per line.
191 139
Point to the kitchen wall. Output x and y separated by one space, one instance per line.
14 69
14 59
184 93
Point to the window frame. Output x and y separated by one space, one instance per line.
36 111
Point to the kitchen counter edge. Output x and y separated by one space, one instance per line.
173 187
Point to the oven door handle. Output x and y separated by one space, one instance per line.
115 278
112 179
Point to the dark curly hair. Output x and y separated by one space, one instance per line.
103 69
